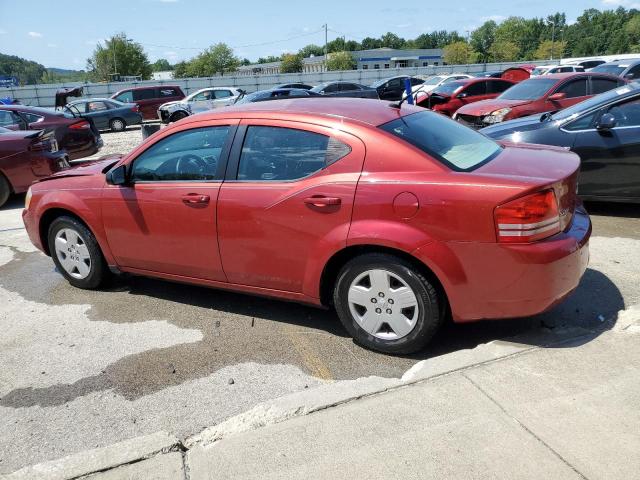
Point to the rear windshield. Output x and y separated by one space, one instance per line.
458 147
610 69
529 89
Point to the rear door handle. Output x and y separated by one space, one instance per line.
322 201
192 198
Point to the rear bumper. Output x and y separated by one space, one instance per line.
499 281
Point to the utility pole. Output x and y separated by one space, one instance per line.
553 37
326 40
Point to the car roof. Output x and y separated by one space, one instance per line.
369 111
92 99
143 87
565 75
29 108
624 61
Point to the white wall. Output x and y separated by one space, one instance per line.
44 95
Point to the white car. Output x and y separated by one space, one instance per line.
549 69
198 101
431 83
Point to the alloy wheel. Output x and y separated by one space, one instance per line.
383 304
73 254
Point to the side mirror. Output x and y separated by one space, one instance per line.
629 76
606 122
463 95
558 96
117 176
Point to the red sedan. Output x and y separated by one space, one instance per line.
26 156
543 93
396 217
449 97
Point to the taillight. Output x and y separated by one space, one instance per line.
528 218
84 125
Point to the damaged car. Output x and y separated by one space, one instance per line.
199 101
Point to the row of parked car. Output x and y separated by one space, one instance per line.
34 142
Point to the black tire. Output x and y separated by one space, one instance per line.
5 190
179 115
117 125
429 316
98 271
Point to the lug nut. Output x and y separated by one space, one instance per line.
378 310
373 300
381 294
390 301
388 310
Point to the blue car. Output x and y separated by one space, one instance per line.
106 113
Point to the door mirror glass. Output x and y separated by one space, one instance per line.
463 95
607 122
117 176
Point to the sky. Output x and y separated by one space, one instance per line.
64 33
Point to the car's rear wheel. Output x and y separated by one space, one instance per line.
387 304
178 116
76 253
5 190
117 125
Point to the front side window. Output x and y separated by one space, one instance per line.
283 154
478 88
8 119
458 147
202 96
574 88
125 97
626 114
187 155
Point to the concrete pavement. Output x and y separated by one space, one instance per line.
568 410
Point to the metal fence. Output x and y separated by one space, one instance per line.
44 95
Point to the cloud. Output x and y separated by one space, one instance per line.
34 34
495 18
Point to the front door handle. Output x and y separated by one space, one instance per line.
322 201
192 198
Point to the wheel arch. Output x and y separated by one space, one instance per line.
339 259
48 217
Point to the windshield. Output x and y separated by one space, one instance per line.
253 97
458 147
448 88
433 80
610 69
381 82
529 89
601 99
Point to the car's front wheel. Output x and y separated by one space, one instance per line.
387 304
179 115
76 253
5 190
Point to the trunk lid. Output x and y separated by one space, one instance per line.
537 168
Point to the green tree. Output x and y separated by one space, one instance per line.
26 71
503 51
119 55
458 53
391 40
291 63
369 43
161 65
548 50
311 49
340 61
269 59
483 37
217 59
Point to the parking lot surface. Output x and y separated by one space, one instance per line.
83 369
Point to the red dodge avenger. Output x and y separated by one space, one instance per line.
396 217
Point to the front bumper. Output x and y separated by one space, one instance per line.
497 281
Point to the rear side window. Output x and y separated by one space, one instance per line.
222 93
348 87
458 147
168 92
282 154
600 85
478 88
144 94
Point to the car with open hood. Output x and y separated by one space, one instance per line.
396 216
198 101
539 94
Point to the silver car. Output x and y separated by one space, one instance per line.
198 101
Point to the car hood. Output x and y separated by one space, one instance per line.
84 169
485 107
524 124
171 104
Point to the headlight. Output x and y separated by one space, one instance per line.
497 116
27 199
